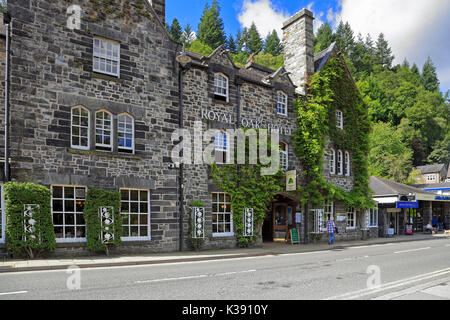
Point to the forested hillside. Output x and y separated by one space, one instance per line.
410 115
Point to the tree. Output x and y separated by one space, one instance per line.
441 151
211 29
231 45
188 36
255 42
324 38
429 77
344 38
175 31
383 53
273 44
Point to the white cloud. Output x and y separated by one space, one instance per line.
264 14
415 29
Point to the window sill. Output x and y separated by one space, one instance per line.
106 77
106 154
220 101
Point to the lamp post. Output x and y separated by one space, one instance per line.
184 62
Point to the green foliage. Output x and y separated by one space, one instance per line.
211 29
247 189
324 38
429 76
330 90
175 31
273 44
18 195
131 10
198 47
95 199
196 204
255 42
389 158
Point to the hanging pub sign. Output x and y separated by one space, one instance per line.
198 223
106 215
291 180
249 215
408 205
30 211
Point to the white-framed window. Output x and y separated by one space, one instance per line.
221 147
373 217
328 213
80 127
125 133
431 178
332 161
67 211
136 214
106 57
284 156
340 163
2 215
222 217
340 119
351 218
104 130
347 162
221 89
282 105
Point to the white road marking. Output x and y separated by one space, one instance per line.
413 250
195 277
12 293
392 285
431 288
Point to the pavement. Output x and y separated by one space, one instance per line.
268 249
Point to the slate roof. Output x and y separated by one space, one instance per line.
383 187
435 168
434 186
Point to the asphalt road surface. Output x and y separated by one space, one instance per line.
401 271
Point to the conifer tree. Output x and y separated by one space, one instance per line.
273 44
324 37
175 30
345 38
231 45
255 42
383 53
429 77
211 29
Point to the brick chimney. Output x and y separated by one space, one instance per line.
299 48
160 7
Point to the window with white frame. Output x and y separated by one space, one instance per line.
125 133
106 57
284 156
328 213
221 147
373 217
431 178
136 214
80 127
351 218
221 90
347 164
340 163
282 103
2 216
67 210
332 161
222 217
340 119
103 130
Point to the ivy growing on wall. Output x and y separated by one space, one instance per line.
330 90
41 240
95 199
248 188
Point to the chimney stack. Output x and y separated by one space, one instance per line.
160 8
299 48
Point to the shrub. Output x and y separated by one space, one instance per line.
42 240
97 198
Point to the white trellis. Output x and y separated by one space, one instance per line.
319 220
249 222
198 223
30 212
106 215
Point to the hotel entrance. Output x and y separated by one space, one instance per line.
280 219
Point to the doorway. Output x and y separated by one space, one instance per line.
279 220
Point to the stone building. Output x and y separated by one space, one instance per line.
95 102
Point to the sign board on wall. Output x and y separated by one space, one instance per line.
291 180
408 205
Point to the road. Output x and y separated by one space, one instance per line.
413 270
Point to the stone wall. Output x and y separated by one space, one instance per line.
52 71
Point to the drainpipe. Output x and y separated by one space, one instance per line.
7 22
181 170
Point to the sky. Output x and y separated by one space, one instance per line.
415 29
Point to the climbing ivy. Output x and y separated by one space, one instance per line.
248 188
330 90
